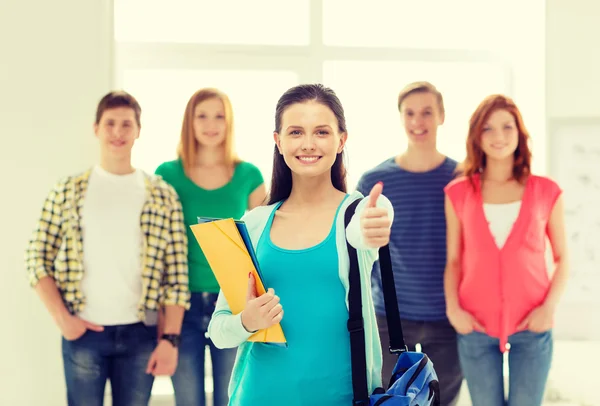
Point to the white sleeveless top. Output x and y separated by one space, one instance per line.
500 218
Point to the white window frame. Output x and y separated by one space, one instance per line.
307 61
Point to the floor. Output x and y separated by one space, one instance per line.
571 381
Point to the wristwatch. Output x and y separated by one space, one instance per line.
174 339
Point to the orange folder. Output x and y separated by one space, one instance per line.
231 257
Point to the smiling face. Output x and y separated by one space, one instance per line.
210 127
500 136
421 117
117 131
310 139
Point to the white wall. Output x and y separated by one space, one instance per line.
573 98
56 63
573 58
527 60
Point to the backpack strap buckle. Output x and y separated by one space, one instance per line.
394 350
356 325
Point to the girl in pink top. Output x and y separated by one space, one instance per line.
498 291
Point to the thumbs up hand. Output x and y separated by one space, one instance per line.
261 311
375 222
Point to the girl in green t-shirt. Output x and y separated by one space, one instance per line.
211 181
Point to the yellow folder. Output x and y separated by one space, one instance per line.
227 247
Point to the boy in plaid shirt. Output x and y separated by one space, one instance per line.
109 251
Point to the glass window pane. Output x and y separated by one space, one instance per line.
369 93
163 95
257 22
437 24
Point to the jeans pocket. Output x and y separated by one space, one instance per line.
540 334
87 335
540 343
473 333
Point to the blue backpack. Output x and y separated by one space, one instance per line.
414 381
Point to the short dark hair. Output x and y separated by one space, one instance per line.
116 99
281 179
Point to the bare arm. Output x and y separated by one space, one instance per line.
462 321
173 318
556 234
452 272
541 318
257 197
50 296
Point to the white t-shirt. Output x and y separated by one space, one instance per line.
112 247
501 218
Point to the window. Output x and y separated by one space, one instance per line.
213 22
369 93
434 24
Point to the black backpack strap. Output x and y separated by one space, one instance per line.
392 314
355 319
356 326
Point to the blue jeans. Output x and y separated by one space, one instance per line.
188 381
529 362
120 354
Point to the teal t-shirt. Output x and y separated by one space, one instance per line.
230 200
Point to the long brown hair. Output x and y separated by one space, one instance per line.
281 178
188 145
475 161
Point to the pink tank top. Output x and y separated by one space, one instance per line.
500 286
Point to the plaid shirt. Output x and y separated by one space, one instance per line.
56 247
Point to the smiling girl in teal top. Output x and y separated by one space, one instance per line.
300 241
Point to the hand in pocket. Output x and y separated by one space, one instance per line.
72 327
463 322
539 320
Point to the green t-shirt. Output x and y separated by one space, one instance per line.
230 200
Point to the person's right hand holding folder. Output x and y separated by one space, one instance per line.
261 312
229 251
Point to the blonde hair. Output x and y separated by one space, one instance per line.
421 87
188 144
